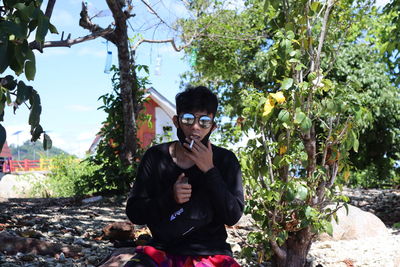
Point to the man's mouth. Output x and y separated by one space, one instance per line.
195 137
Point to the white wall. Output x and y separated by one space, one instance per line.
163 120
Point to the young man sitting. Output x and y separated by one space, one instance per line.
187 191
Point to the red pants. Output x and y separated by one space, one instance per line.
159 258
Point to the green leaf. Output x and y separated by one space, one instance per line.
30 65
36 109
299 116
266 5
328 228
312 76
11 83
355 141
3 137
11 28
42 28
314 6
53 28
47 143
23 92
26 11
301 192
36 132
284 116
306 124
3 53
286 83
30 70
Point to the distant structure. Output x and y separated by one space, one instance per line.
5 157
161 111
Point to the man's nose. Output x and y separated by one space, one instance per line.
196 125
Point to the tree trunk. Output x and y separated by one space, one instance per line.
127 81
296 247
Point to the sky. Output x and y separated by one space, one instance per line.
70 80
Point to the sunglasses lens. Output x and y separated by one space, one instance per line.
205 121
187 118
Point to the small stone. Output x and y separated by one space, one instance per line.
62 257
236 248
28 257
67 235
92 260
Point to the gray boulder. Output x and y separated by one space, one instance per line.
355 225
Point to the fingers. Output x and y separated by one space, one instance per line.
181 178
196 145
182 190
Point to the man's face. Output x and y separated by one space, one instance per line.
195 125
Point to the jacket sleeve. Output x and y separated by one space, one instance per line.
147 202
224 182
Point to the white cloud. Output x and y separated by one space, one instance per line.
61 18
179 9
54 51
86 51
235 5
73 143
17 134
87 136
80 108
381 3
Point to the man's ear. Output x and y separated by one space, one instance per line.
175 121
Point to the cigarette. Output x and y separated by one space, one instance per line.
191 144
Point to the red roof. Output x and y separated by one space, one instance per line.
5 152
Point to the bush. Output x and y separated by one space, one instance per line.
370 178
68 177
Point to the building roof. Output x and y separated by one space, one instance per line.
162 101
6 152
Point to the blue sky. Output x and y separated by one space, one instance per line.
70 80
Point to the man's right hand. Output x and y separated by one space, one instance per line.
182 190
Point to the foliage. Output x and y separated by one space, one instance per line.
18 21
68 177
29 150
113 174
361 70
266 61
389 33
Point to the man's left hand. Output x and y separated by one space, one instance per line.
201 155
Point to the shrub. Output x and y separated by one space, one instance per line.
68 177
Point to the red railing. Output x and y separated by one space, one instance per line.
27 165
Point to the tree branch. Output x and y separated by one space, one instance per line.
49 8
69 42
48 13
280 253
323 32
155 13
87 24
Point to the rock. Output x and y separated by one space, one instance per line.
119 231
118 258
27 257
357 224
13 244
92 199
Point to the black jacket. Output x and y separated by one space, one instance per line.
196 227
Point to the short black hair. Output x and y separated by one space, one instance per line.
197 98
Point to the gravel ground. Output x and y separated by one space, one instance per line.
70 221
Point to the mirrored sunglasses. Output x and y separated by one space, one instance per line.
189 119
